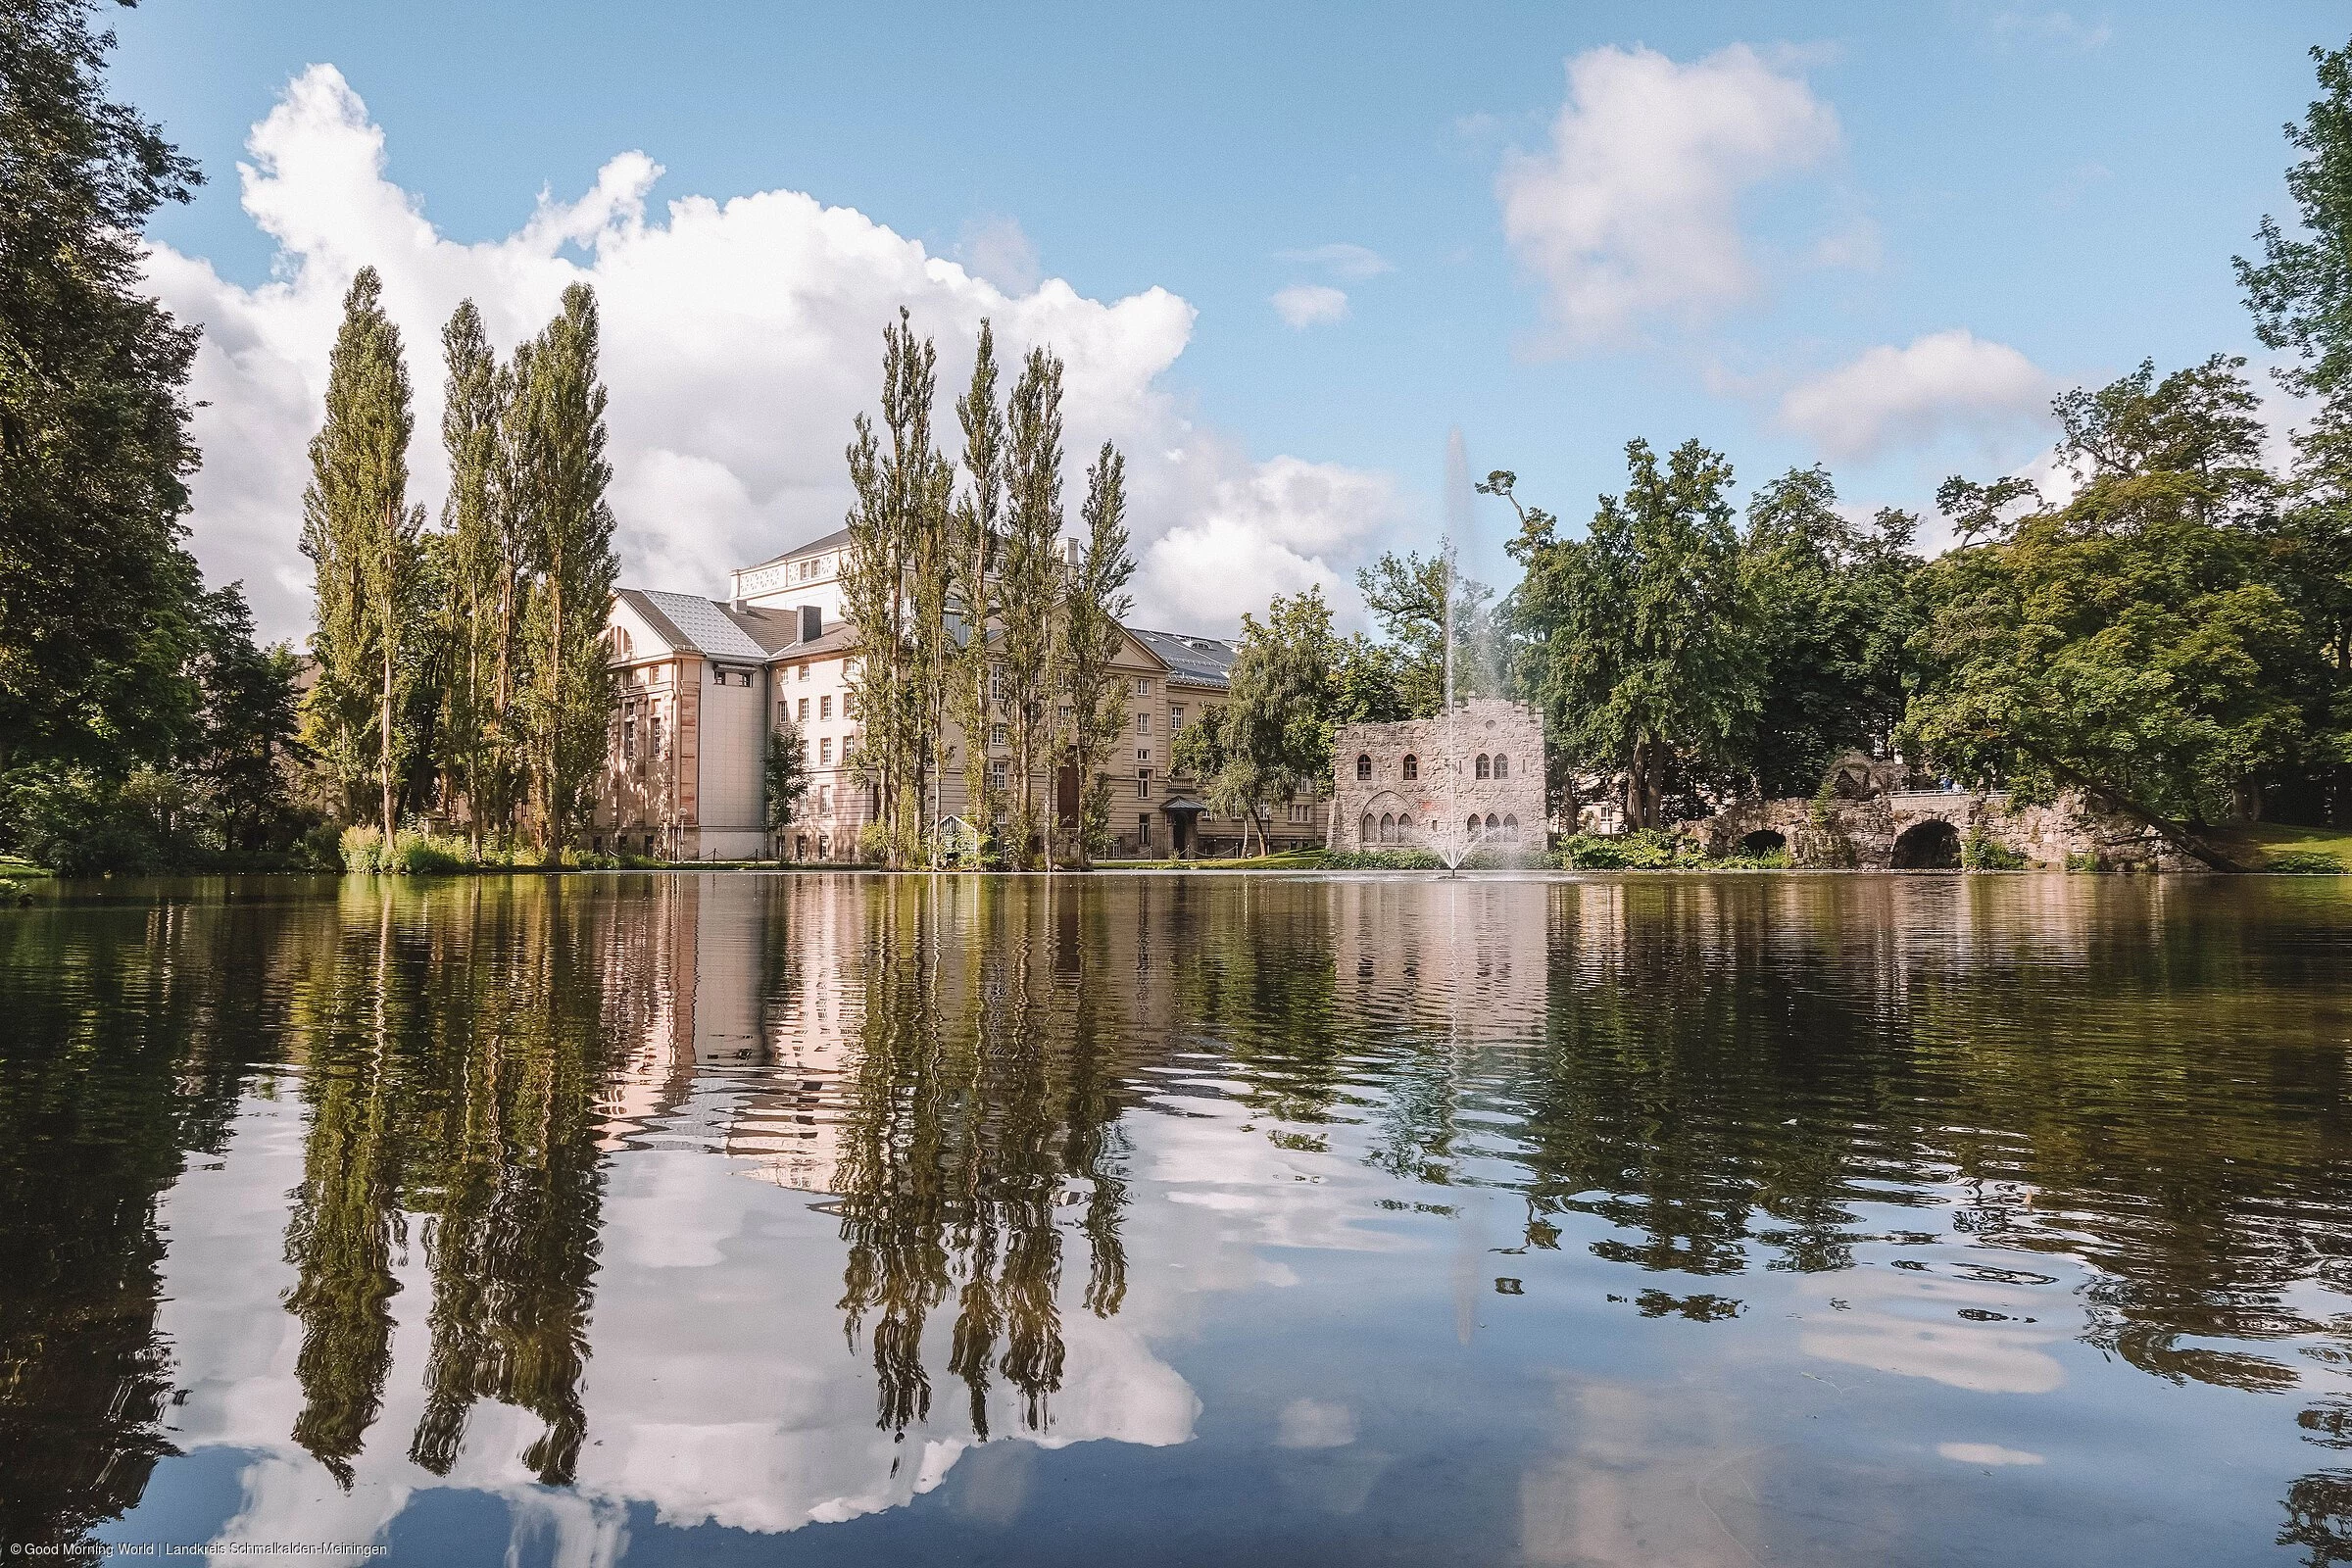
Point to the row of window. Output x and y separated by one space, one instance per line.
1496 765
1392 829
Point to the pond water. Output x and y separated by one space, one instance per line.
1163 1219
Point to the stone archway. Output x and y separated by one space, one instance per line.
1764 841
1929 846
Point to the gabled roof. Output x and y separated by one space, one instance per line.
691 624
1190 660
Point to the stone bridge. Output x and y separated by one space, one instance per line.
1866 819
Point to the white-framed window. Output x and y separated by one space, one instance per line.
1143 783
1143 754
1175 718
803 710
799 673
1142 685
999 735
824 707
824 749
1000 775
1303 811
1142 723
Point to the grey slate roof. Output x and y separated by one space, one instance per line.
1190 660
701 625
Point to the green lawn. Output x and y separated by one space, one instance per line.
11 866
2272 838
1287 861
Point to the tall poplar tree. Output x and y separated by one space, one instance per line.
1032 589
473 549
974 552
897 534
567 698
1094 601
362 535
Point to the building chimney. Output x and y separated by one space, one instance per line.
813 623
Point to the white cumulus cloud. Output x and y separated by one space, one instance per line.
1937 384
1633 211
1305 305
739 339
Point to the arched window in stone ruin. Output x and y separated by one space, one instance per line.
1369 829
1387 828
1503 765
1474 823
1492 823
1363 767
1486 769
1412 765
1511 828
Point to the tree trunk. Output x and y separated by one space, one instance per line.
2178 835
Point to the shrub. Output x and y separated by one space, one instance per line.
1770 861
428 854
2305 862
1646 849
1381 860
360 849
1981 853
2085 864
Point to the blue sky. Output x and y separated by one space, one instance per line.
2044 196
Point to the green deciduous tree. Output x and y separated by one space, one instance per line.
1835 613
1407 596
2301 297
1638 639
566 700
96 592
361 536
975 551
894 588
2126 643
1032 589
784 777
1095 601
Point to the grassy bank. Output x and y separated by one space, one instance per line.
2277 847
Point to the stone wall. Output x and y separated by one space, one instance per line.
1901 826
1445 788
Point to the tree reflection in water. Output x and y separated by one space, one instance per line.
453 1051
982 1102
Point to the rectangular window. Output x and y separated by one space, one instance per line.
999 735
804 705
1143 830
1175 719
824 800
824 749
824 707
1142 685
652 736
783 714
1000 775
1142 723
849 705
1302 811
799 673
1143 754
1143 783
628 735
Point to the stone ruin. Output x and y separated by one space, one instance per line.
1873 814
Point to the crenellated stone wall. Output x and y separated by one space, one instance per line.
1385 809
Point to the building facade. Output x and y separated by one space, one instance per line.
703 683
1470 779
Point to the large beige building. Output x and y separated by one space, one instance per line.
705 682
